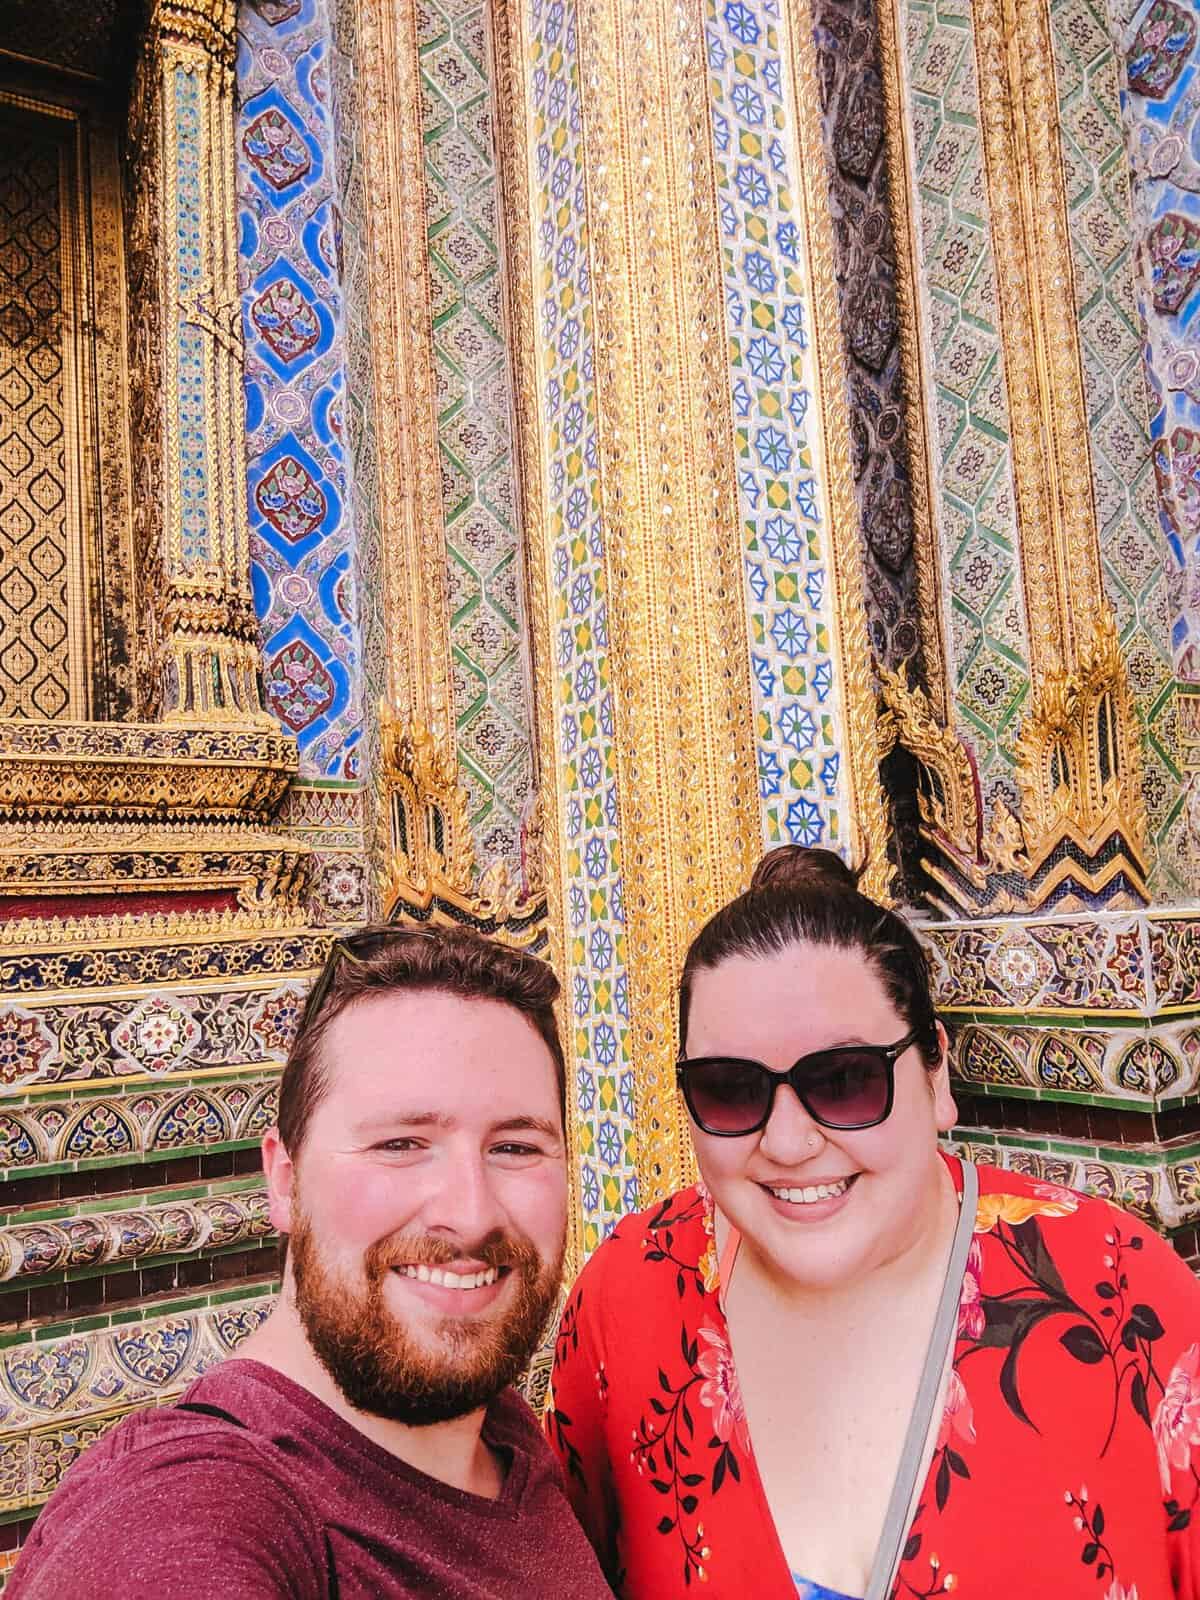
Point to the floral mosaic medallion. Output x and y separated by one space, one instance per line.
24 1045
156 1036
46 1379
156 1354
276 1023
596 982
780 475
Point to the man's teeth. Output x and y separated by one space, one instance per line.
809 1196
450 1280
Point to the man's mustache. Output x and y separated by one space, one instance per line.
496 1249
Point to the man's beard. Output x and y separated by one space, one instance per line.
458 1365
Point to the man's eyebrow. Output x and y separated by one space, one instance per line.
528 1125
437 1119
405 1119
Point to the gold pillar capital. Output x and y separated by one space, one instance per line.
210 25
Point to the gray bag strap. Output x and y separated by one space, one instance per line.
945 1326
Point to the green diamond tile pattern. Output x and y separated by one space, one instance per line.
986 634
1103 257
485 583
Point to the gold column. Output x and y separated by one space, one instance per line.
410 493
197 579
677 634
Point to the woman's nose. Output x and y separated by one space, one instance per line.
791 1134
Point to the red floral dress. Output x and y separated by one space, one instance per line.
1067 1461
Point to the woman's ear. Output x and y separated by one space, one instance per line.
944 1108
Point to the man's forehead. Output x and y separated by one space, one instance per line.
426 1053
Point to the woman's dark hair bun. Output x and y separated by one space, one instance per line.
797 866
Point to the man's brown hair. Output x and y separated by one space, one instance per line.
392 958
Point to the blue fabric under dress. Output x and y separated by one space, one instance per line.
818 1591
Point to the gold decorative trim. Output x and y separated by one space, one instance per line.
919 414
847 606
111 771
1079 765
409 470
65 859
1059 540
121 931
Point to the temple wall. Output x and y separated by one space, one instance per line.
666 430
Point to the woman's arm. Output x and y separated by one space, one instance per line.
576 1415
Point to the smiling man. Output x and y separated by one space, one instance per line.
367 1440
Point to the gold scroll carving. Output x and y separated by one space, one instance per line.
677 629
1082 824
434 870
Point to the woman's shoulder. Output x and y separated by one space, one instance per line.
676 1232
1096 1227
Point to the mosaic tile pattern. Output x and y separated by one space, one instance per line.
1137 1068
73 1133
32 972
488 633
1103 250
781 493
59 1395
97 1238
847 39
302 540
595 979
1163 1190
1161 95
1100 962
164 1034
987 647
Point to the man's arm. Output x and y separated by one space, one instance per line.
208 1520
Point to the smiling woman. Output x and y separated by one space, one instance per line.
863 1368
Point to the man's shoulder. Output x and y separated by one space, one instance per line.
188 1476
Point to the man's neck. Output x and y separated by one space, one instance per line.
453 1452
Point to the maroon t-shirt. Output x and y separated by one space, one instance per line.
183 1505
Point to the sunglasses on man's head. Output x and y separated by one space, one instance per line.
845 1088
355 948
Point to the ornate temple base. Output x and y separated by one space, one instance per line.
1076 1046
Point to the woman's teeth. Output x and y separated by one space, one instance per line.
450 1280
810 1196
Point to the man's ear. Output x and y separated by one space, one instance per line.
280 1174
945 1110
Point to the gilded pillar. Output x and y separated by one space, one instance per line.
190 450
1042 763
630 515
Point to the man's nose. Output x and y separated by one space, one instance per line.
789 1133
465 1203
